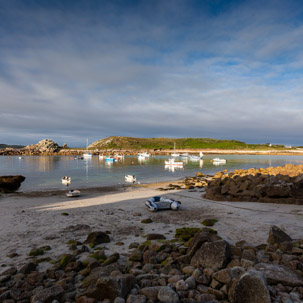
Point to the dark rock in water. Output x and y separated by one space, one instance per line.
276 235
10 184
213 255
280 274
97 237
251 288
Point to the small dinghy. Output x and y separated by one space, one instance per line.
218 160
130 178
73 193
66 180
158 203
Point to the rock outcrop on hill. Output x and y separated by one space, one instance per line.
273 185
10 184
197 266
43 146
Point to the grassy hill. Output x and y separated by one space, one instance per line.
181 143
11 146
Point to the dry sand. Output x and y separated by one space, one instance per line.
36 220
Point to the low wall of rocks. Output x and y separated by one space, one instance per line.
273 185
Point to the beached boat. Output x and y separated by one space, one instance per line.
218 160
66 180
143 155
172 161
159 203
73 193
130 178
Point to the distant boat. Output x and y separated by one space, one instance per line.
87 154
101 157
66 180
172 161
143 155
73 193
196 158
110 159
130 178
20 158
174 154
219 161
185 155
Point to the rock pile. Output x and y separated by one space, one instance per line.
197 266
272 185
10 184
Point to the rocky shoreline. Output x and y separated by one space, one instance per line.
267 185
196 266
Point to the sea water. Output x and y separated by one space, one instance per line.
45 172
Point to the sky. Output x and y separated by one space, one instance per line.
73 70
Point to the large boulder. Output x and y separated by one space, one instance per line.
97 237
280 274
212 255
10 184
276 235
111 287
251 288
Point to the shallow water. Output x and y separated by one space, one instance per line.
45 172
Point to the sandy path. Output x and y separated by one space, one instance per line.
29 221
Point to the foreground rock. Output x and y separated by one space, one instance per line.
196 266
10 184
273 185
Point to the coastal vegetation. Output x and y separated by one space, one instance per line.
180 143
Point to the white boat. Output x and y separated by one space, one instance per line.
184 155
172 161
173 168
119 156
143 155
218 160
101 157
87 155
174 154
66 180
20 158
196 158
130 178
73 193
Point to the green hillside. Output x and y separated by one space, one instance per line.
181 143
11 146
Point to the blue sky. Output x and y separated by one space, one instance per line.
71 70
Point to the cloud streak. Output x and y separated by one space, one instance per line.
76 69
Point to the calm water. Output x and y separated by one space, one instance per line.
44 173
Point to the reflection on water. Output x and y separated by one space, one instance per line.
45 172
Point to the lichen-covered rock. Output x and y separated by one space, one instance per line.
212 255
48 294
10 184
280 274
251 288
97 237
167 295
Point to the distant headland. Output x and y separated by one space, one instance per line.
129 145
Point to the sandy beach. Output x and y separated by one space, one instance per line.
35 220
